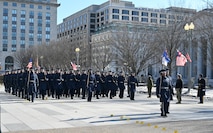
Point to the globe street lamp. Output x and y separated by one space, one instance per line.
77 50
189 28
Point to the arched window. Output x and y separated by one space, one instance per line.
9 63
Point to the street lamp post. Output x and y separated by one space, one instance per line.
189 28
125 64
77 50
41 57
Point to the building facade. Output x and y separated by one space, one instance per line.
90 27
25 23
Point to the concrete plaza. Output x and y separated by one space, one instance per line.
105 115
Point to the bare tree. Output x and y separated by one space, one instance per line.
102 55
133 45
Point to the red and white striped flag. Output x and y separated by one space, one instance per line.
74 66
188 57
30 64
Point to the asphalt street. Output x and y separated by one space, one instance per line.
104 115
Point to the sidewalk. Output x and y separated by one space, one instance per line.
103 115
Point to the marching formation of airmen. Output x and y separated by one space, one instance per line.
84 84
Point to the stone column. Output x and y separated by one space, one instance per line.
199 57
209 57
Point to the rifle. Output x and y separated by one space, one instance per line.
88 76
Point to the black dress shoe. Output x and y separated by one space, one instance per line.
163 115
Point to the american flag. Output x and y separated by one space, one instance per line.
180 59
74 66
30 64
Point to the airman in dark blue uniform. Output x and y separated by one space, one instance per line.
201 88
42 82
91 83
98 85
132 82
78 83
51 82
103 84
163 86
121 86
84 83
109 84
71 83
32 84
58 83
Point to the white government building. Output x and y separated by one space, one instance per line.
25 23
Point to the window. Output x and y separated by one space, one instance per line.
153 20
14 11
22 27
31 35
154 15
144 20
4 47
144 14
47 28
40 15
22 5
125 17
5 18
13 49
23 12
115 16
31 6
14 4
47 16
5 3
48 7
135 13
171 17
13 26
92 20
13 42
179 17
115 10
5 11
162 21
22 44
92 15
31 42
135 19
102 18
13 18
162 15
9 63
125 12
39 6
171 22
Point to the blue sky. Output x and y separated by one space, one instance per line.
69 7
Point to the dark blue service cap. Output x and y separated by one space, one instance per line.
162 70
